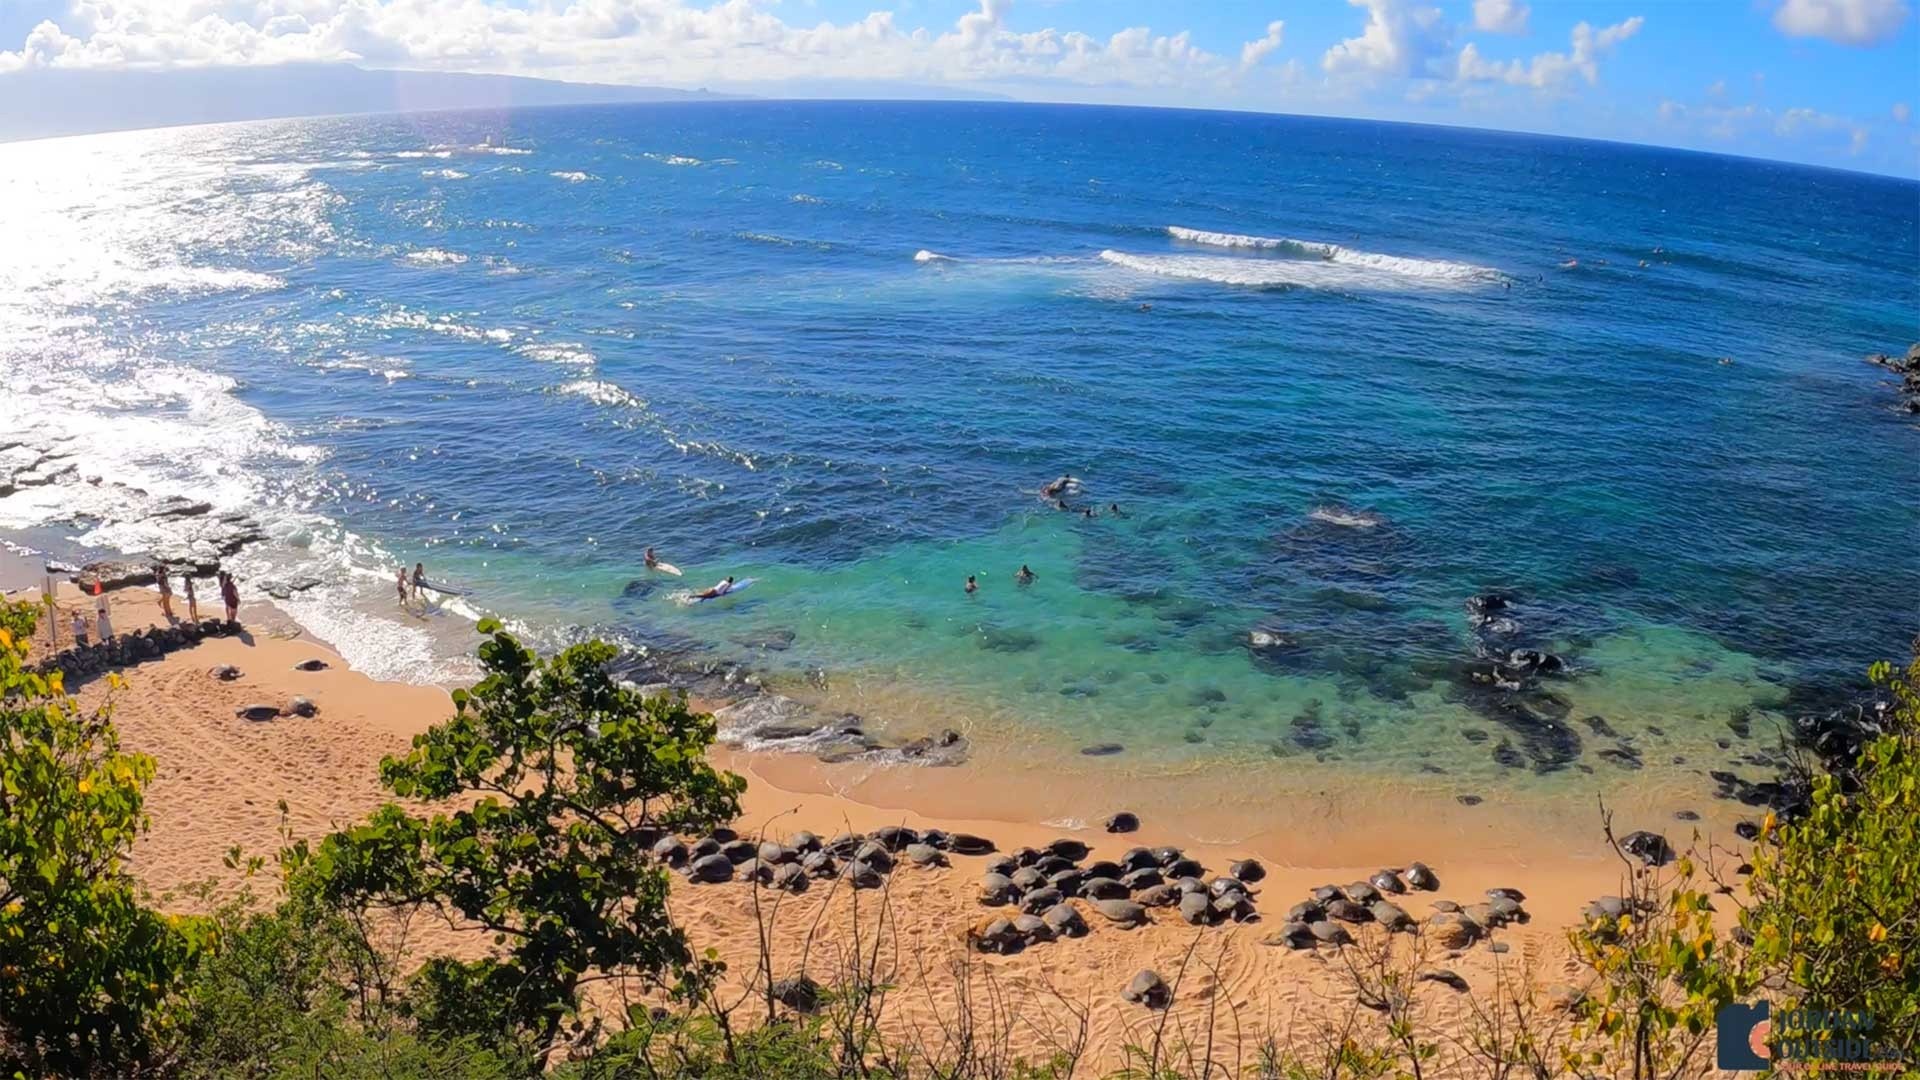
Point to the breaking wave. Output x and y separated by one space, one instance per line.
436 257
925 256
1285 273
572 177
1431 269
603 393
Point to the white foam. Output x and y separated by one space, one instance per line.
436 257
443 174
1346 517
484 148
603 393
1283 273
813 200
559 353
572 177
925 256
1433 269
423 154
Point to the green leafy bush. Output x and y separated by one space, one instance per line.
558 781
84 966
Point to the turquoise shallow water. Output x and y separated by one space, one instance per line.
837 347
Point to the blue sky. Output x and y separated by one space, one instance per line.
1828 82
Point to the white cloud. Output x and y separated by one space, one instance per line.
1847 22
665 41
1398 39
1551 70
1727 123
1902 112
1500 16
1718 89
1255 51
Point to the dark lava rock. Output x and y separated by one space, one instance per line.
1650 848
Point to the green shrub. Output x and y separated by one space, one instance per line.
84 966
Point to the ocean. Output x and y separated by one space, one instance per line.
1338 377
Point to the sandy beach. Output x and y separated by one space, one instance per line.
221 780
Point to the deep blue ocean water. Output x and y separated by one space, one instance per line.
838 346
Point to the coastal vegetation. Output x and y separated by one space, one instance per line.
533 819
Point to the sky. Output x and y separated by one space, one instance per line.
1827 82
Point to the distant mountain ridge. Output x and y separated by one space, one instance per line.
47 102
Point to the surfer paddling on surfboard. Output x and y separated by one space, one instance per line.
722 589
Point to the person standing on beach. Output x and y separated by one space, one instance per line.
100 613
230 595
193 602
166 590
400 585
79 628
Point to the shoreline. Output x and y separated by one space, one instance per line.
221 780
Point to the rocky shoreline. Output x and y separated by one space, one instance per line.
1908 368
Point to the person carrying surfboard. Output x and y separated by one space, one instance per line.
719 590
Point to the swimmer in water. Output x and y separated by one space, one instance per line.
1025 576
1113 510
1087 513
1065 483
972 585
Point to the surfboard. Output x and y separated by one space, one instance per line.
441 589
667 568
737 586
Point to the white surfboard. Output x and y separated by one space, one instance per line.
667 568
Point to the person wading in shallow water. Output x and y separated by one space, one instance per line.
230 595
972 585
